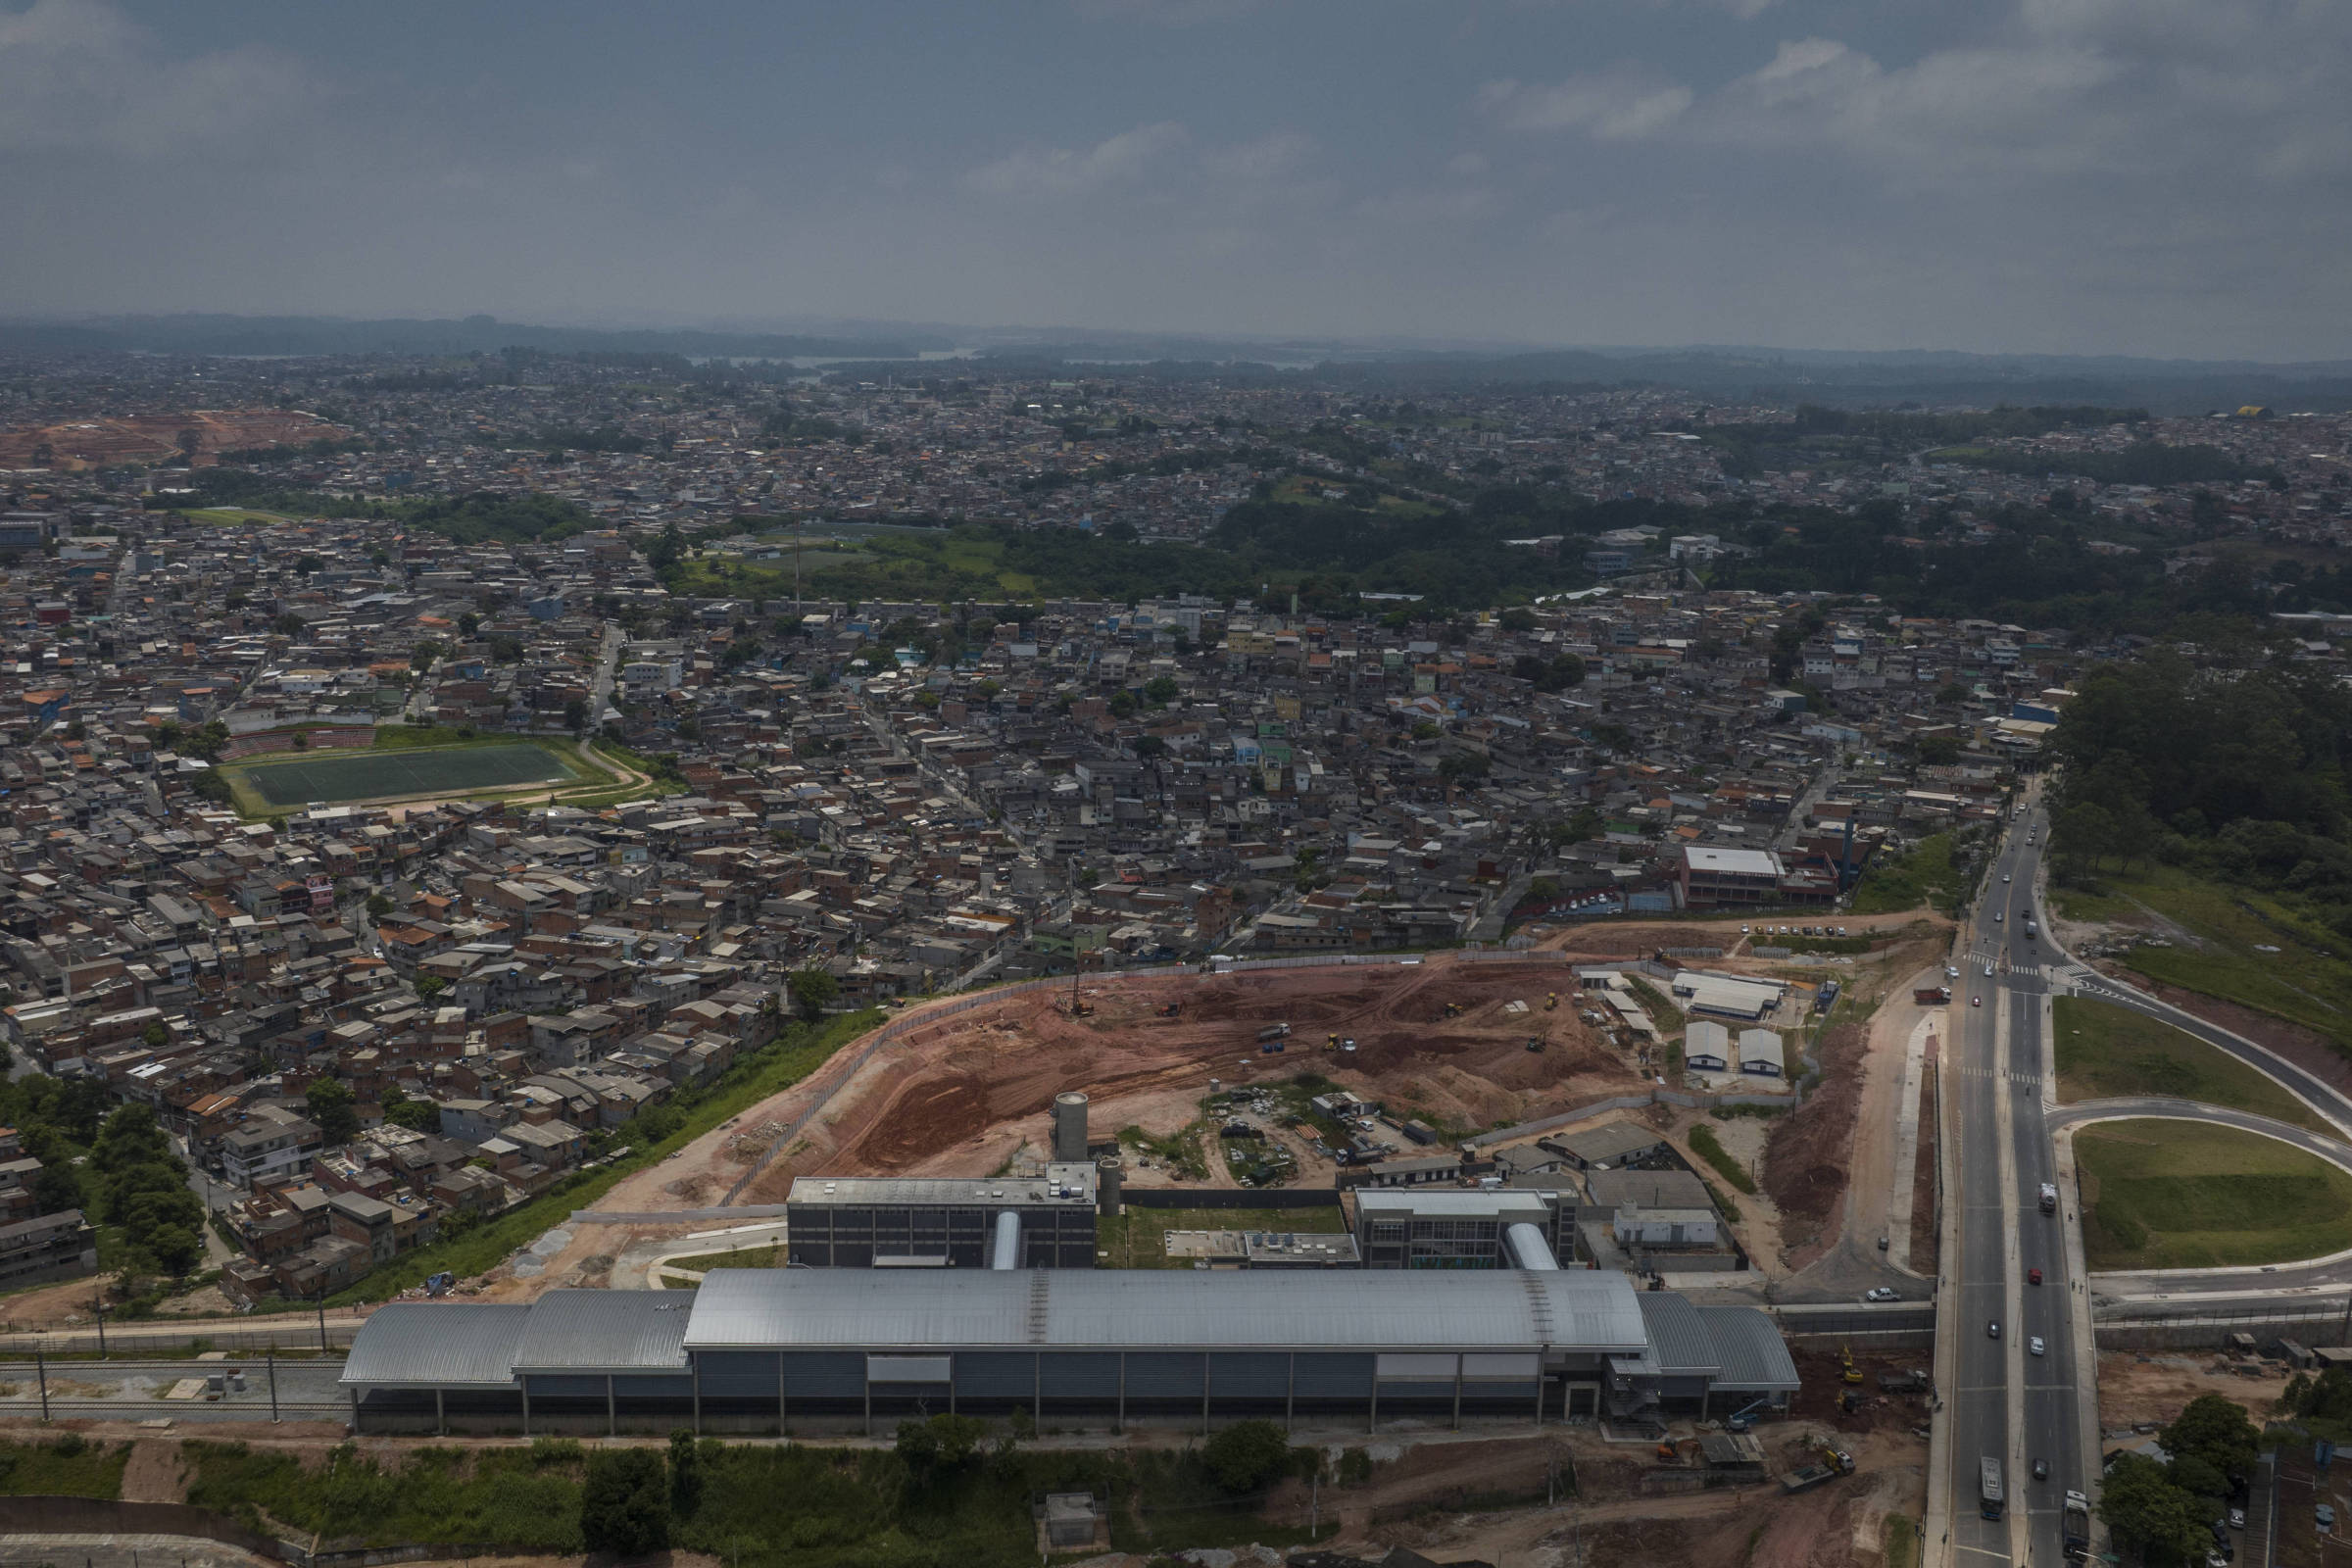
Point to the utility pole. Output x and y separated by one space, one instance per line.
99 1307
322 1317
40 1365
272 1384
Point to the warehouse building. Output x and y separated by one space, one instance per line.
758 1350
1454 1229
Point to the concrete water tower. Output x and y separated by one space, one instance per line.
1109 1171
1069 1129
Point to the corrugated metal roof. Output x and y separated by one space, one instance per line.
605 1331
1749 1349
436 1344
1148 1309
1457 1204
1678 1335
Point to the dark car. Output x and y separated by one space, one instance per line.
2041 1469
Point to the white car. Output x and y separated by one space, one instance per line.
2004 876
1951 971
1882 1293
2034 1344
1988 971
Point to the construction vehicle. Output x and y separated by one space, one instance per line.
1812 1475
1331 1041
1534 1042
1851 1373
1674 1451
1741 1419
1551 1001
1274 1031
1174 1009
1835 1457
1453 1009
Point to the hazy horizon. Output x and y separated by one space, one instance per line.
2147 178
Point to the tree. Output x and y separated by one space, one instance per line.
624 1502
378 905
1161 690
2144 1509
419 1116
1462 767
943 1443
685 1475
430 986
331 1106
1246 1456
1516 619
155 1035
2216 1430
575 714
421 657
812 991
667 549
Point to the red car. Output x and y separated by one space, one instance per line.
2032 1276
1976 1002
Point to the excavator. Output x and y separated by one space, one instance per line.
1846 1360
1551 1001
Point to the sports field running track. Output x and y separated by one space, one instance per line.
370 775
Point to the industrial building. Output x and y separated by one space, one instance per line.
913 1222
756 1351
1406 1228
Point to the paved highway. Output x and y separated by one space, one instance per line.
2004 1403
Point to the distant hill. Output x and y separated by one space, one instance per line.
473 335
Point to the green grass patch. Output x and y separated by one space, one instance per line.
1658 1003
69 1467
514 1497
1184 1150
1709 1148
2306 981
2161 1194
770 1505
1926 875
742 1257
1137 1237
2105 1052
236 515
792 1055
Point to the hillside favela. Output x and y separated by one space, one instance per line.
1613 830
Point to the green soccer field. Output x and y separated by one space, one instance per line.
371 775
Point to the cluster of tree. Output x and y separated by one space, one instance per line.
2140 462
2166 1510
56 1119
1555 674
2238 772
476 517
1818 435
326 446
135 1181
207 740
2035 567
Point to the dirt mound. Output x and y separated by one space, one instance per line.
153 437
1806 1157
1442 1040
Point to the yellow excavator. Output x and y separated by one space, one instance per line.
1846 1360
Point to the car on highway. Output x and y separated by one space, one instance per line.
1951 971
2004 876
2034 1344
1992 1330
1882 1293
1988 971
1997 917
1976 1002
2041 1469
2032 1276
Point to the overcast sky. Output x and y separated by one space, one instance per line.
2143 176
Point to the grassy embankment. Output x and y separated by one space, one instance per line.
793 1056
1926 875
71 1466
2244 947
1138 1238
2163 1194
2107 1053
843 1506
